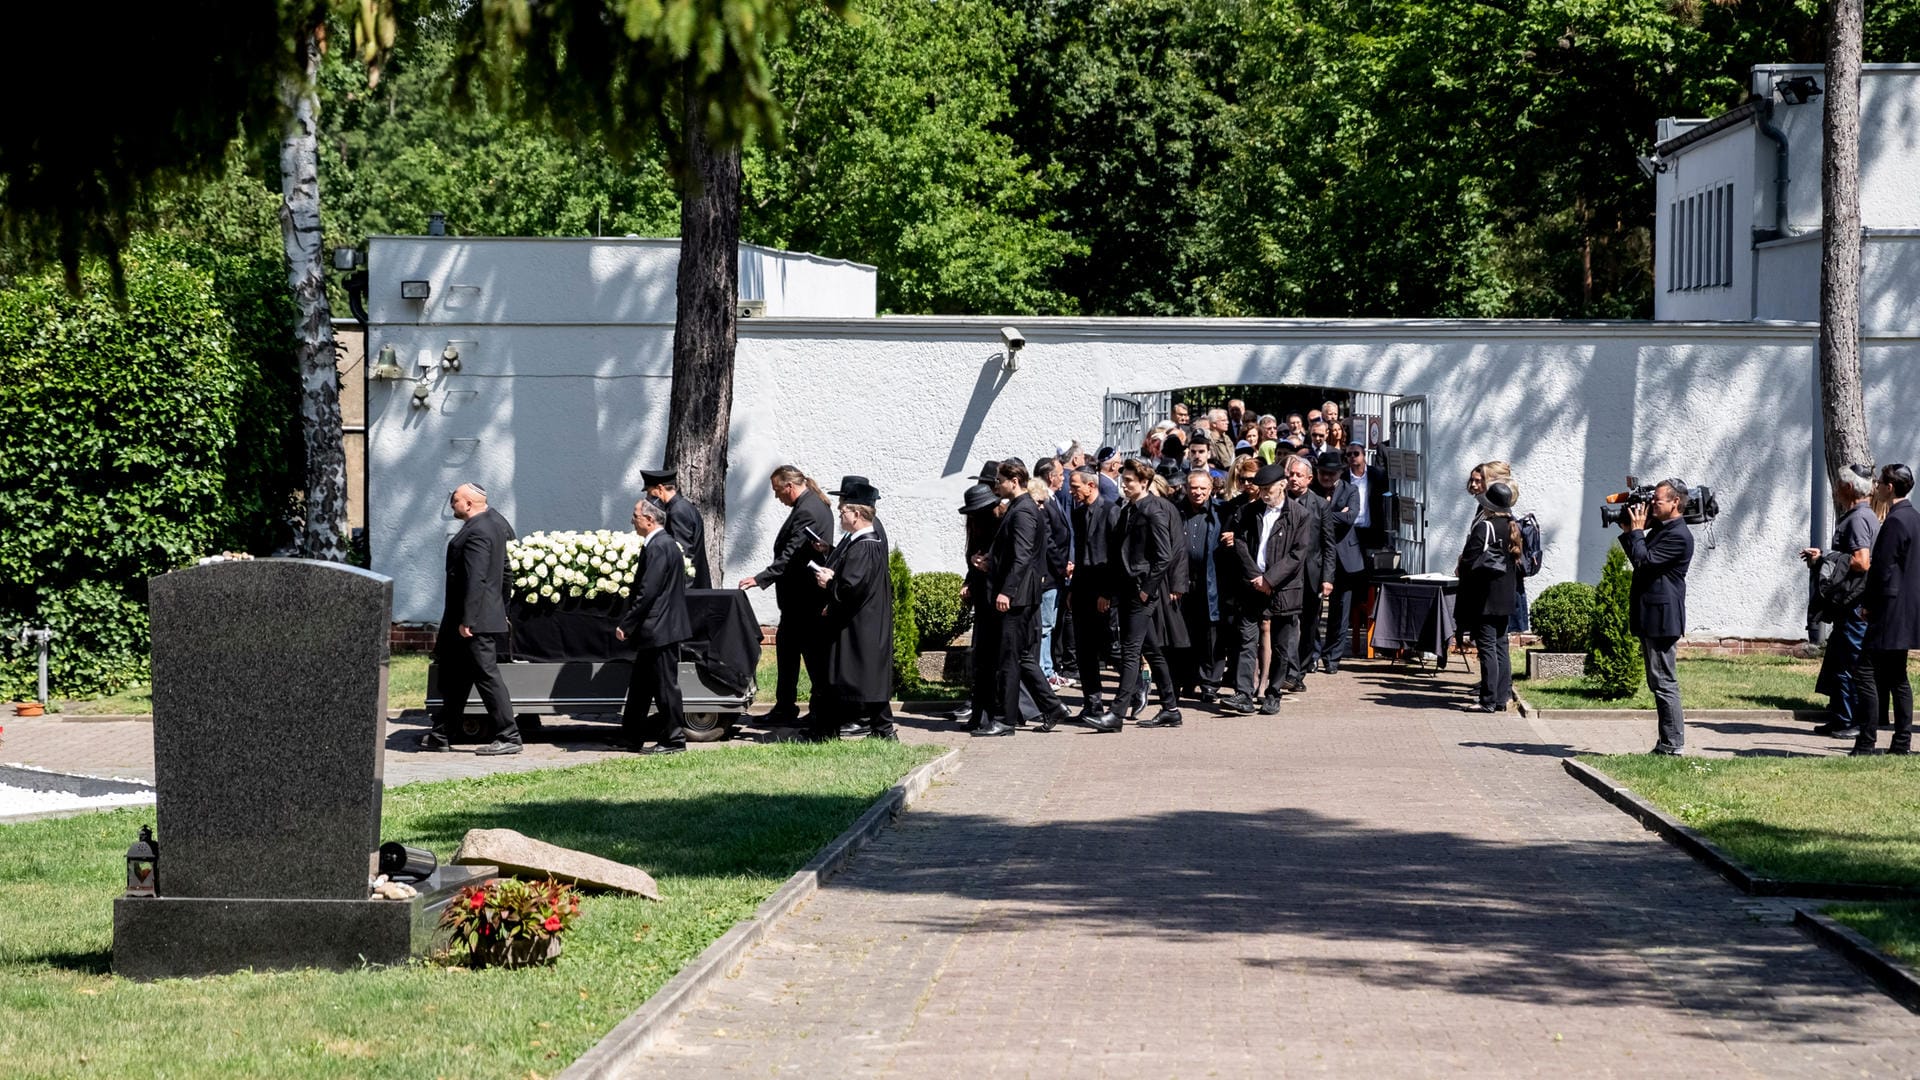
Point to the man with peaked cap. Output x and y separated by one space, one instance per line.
683 523
859 620
1273 539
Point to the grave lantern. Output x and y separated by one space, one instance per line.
143 865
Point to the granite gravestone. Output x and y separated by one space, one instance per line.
269 719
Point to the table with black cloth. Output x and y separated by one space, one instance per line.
725 646
1415 614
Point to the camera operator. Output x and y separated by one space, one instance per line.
1657 600
1892 604
1853 539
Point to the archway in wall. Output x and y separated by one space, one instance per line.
1393 427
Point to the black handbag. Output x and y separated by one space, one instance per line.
1491 559
1839 588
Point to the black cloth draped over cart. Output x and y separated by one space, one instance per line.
725 647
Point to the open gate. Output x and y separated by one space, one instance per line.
1127 418
1409 464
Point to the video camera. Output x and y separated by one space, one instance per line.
1702 507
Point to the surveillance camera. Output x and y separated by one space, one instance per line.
1014 340
1650 165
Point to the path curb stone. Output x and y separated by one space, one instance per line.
1898 980
1706 851
639 1030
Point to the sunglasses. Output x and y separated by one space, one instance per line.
1356 453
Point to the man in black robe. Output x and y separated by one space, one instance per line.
799 596
473 625
859 620
655 623
682 521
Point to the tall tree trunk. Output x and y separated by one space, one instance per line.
324 533
1842 407
704 326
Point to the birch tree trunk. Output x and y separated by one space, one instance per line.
324 533
1842 405
705 326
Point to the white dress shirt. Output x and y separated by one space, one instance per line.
1269 521
1361 519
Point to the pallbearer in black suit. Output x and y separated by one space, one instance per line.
795 590
682 521
1273 539
473 625
1092 590
655 623
859 621
1013 576
1147 547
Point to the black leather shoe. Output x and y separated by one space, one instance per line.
1481 707
1163 718
1270 705
433 744
664 748
888 735
1331 667
1053 721
1294 687
1899 751
853 730
1658 751
1105 723
1238 703
992 728
782 716
1862 751
963 714
1840 732
498 748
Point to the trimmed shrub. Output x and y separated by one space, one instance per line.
906 634
937 611
134 440
1616 666
1563 617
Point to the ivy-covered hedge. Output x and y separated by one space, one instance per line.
134 439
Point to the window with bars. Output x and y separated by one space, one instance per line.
1700 240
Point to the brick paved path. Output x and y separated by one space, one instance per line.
1369 884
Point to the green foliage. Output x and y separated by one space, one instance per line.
1617 665
1563 617
132 441
906 630
937 610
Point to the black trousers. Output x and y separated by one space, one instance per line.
1284 631
1302 657
1334 632
656 677
1019 662
468 664
799 640
1066 653
1199 663
1883 693
1496 661
986 658
1136 619
1091 641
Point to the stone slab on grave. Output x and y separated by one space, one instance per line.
269 725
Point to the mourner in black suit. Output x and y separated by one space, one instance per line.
1148 551
1373 499
1273 538
858 621
1014 577
981 508
1892 603
1319 574
1205 602
655 623
1349 558
796 590
473 625
1657 600
682 521
1093 590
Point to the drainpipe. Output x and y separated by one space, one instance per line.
1779 168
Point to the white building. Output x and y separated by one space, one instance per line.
560 396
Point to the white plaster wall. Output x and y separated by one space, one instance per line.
1789 281
1889 144
563 418
1727 156
797 285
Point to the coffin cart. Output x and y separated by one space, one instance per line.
563 660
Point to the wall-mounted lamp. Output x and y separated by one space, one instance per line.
450 356
421 389
388 366
345 258
415 290
1798 90
1014 340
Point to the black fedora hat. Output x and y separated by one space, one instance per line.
852 485
978 497
989 472
1329 461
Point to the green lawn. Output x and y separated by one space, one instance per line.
1893 927
1802 819
719 830
1707 682
407 689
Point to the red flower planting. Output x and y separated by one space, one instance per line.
552 924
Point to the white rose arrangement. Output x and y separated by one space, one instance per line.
547 567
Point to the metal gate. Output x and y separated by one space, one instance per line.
1408 465
1127 418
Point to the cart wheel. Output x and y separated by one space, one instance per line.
470 726
531 726
707 726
